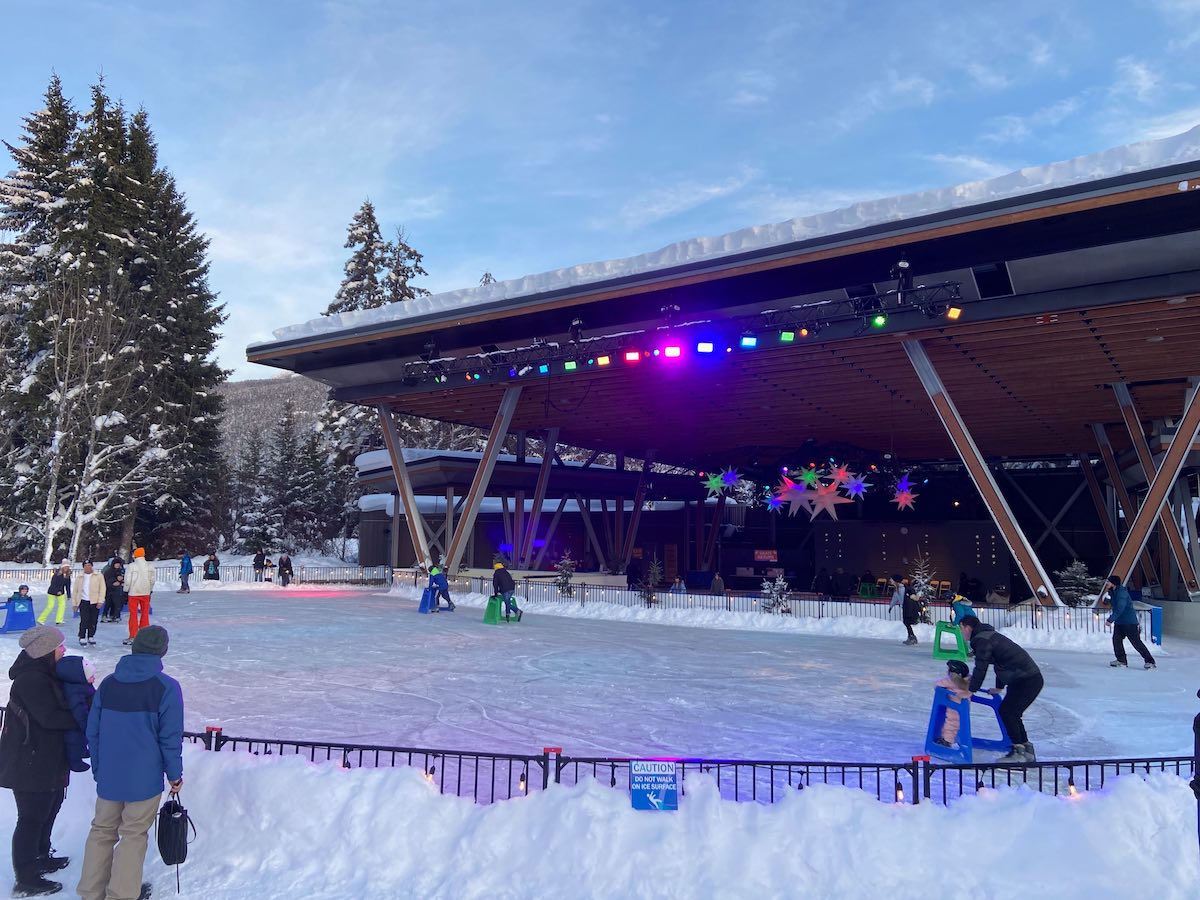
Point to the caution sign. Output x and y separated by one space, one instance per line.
654 784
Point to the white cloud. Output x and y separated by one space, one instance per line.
1135 79
959 166
893 92
1011 128
1183 17
1165 125
987 76
664 202
751 88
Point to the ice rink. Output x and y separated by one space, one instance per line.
365 667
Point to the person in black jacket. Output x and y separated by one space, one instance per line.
504 586
286 572
33 757
911 611
259 563
212 568
57 594
114 590
1016 672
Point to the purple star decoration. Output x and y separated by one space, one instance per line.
903 485
857 486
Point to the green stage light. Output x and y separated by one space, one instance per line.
570 365
878 320
787 337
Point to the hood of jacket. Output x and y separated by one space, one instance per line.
70 668
26 663
137 667
981 628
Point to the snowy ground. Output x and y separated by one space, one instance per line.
350 664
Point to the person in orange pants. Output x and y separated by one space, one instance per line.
139 582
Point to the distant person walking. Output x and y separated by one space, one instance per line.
1124 621
1016 674
135 732
185 572
899 592
57 594
286 572
139 581
259 563
212 568
87 596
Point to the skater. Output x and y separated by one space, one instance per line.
285 569
958 686
911 614
87 596
259 563
212 568
185 572
114 590
1016 672
504 586
677 587
57 594
1124 621
135 731
139 582
960 608
78 677
21 593
33 757
439 588
268 570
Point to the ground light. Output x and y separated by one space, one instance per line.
632 356
786 337
878 320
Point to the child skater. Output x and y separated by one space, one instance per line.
956 683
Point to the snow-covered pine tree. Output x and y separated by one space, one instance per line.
487 278
921 582
775 594
364 285
322 505
564 572
1075 583
284 489
256 525
403 265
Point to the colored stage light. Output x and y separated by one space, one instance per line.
632 356
477 376
543 369
748 342
671 351
704 347
603 360
656 352
803 332
570 365
512 373
953 312
878 320
787 337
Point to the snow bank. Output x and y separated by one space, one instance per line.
838 626
383 833
1109 163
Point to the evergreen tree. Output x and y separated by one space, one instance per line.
256 525
1075 583
775 594
324 512
287 504
367 280
403 265
921 579
650 581
487 278
565 569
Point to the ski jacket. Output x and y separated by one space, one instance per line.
59 584
502 581
135 730
212 569
95 592
1010 659
1123 611
437 581
962 608
33 756
16 596
78 693
185 565
911 610
139 578
285 566
260 560
114 578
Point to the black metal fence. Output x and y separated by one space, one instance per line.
165 576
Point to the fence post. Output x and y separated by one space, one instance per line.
547 752
212 737
1196 767
921 772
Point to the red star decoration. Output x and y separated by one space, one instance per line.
904 500
827 498
841 475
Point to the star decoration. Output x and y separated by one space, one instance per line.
796 498
715 484
730 477
827 499
841 475
775 503
809 477
857 486
904 500
903 486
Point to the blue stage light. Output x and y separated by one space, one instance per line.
704 347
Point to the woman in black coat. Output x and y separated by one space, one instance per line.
33 756
912 615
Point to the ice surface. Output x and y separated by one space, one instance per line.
358 666
1109 163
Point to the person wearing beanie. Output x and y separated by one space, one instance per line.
135 732
139 584
1017 676
1124 621
57 593
33 757
504 586
87 596
956 683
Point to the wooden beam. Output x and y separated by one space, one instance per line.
562 503
635 516
586 516
406 497
1050 525
1124 501
483 475
711 546
1093 484
1168 525
1024 554
539 492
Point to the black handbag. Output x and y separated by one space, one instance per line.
172 833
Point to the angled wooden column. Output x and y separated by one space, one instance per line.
412 516
1051 524
586 516
1156 496
483 475
539 494
711 546
1124 501
1018 545
635 516
1093 484
449 514
518 523
700 562
1166 521
1183 493
554 520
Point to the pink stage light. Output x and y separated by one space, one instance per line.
672 351
632 356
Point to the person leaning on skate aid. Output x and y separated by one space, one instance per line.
1017 676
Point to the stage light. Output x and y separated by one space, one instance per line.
656 351
748 342
603 360
544 369
786 337
953 312
512 373
570 365
478 376
804 332
632 356
704 347
671 351
468 376
879 320
576 330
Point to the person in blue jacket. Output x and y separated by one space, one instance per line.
78 677
1124 621
439 588
135 731
185 572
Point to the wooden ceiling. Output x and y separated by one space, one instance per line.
1026 387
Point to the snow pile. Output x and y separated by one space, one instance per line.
1109 163
836 626
384 833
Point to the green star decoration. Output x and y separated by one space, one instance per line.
810 476
715 484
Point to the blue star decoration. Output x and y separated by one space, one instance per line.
857 486
730 477
774 503
903 486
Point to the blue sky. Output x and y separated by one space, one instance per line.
525 136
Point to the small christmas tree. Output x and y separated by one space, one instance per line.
1074 583
775 596
651 580
565 568
921 584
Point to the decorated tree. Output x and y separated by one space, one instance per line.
565 569
775 594
921 583
1075 583
650 581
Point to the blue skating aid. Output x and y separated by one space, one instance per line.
426 601
20 616
967 744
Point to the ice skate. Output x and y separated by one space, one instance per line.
521 612
1150 665
1117 664
52 863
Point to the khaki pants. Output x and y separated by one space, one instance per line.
117 875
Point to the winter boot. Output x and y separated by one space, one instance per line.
147 889
1013 756
1030 756
52 863
1119 664
35 886
1150 665
450 608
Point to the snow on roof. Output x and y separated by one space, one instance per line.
373 460
493 505
1133 158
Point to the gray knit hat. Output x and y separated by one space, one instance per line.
41 640
152 640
